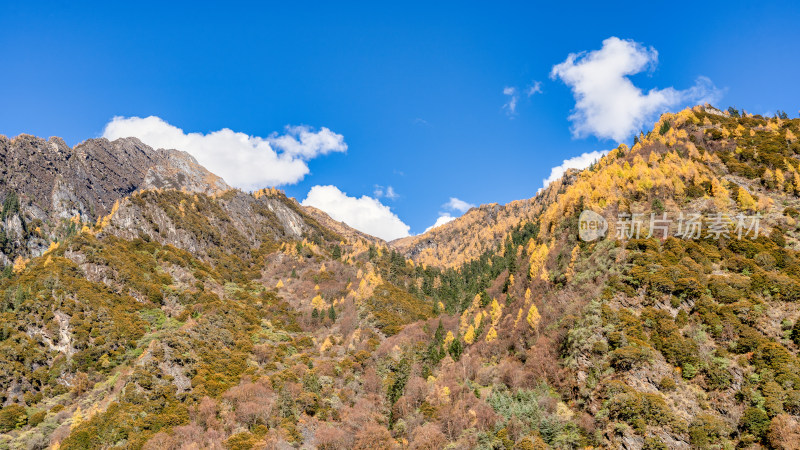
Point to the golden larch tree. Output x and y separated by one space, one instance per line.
534 317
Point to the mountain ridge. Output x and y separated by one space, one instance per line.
440 246
244 320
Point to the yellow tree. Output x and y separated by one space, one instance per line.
534 317
474 306
764 203
478 318
77 418
573 258
497 311
491 335
448 339
318 303
469 336
19 264
780 180
745 200
327 344
53 246
768 178
537 260
519 317
721 195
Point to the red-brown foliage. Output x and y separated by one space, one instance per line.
428 437
329 437
373 437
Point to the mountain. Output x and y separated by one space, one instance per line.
479 230
157 308
47 184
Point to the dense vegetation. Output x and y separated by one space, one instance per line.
179 320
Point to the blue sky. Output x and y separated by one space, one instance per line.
414 90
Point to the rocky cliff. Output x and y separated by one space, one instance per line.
46 184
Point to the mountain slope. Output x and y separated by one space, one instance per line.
46 184
236 320
667 343
167 299
479 230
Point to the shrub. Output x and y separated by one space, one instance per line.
373 437
689 371
428 436
528 408
717 376
11 205
639 409
37 418
240 441
784 432
667 384
754 421
795 335
331 438
792 402
531 443
12 417
393 308
705 430
773 398
626 358
654 443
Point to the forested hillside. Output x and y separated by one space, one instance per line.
176 314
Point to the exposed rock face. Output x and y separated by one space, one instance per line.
179 170
340 227
52 183
239 220
89 178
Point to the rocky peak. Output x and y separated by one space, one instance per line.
52 182
179 170
90 177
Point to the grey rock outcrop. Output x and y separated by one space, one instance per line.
53 183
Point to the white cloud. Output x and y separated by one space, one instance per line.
247 162
302 142
455 204
535 88
387 192
607 104
443 219
579 162
513 97
513 94
364 214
